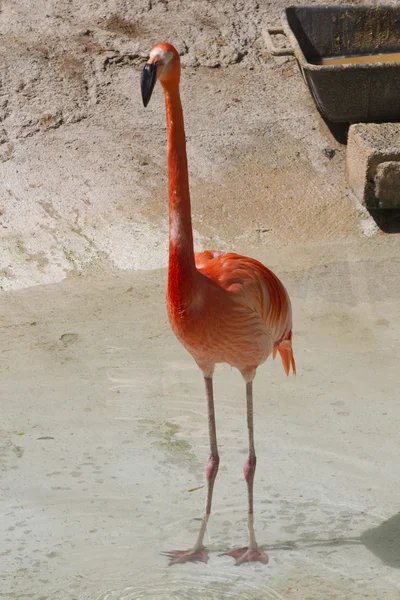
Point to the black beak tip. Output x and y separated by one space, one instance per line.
148 81
145 101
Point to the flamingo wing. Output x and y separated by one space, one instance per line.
258 288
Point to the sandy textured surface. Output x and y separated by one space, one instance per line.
83 173
103 415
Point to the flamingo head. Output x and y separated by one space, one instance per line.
163 64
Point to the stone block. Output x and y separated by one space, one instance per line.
373 164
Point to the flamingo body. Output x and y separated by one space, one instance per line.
238 312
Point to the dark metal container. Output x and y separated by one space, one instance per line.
351 92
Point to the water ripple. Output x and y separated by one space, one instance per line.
181 591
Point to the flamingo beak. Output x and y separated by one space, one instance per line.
149 78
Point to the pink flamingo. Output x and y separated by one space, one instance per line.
223 307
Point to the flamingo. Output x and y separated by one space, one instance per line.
222 307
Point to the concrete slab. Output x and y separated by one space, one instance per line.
104 435
387 184
373 164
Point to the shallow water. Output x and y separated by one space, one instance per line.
105 435
363 59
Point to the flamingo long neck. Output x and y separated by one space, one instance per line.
181 268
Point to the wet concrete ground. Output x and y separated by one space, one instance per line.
105 433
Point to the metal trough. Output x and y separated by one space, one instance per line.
351 92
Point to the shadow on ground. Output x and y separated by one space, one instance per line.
384 541
339 131
388 221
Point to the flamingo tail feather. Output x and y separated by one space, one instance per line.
286 352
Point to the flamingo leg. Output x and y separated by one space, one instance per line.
198 552
251 552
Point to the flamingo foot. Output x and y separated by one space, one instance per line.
243 555
179 557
